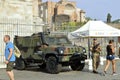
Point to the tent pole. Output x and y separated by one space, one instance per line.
89 47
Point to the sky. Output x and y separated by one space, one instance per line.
98 9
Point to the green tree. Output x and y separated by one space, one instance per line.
88 19
109 18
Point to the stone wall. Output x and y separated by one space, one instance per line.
16 9
27 10
49 10
116 25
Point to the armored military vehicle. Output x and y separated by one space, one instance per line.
50 52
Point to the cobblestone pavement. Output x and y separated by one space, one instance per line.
66 74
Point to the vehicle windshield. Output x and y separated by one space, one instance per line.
57 40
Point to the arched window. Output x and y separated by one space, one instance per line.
69 7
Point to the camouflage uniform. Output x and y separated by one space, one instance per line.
96 58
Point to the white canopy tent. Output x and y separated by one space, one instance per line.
95 29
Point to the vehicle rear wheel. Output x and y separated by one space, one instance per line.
19 64
78 66
52 65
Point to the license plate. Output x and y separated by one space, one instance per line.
82 61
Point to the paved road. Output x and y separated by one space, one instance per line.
66 74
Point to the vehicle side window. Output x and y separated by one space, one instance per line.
62 40
51 40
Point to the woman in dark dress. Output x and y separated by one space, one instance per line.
110 58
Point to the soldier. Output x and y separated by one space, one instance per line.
9 56
95 55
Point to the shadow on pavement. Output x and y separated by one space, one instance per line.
37 69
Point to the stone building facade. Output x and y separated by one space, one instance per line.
36 11
24 10
62 11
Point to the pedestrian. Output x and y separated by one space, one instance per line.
95 55
110 58
9 56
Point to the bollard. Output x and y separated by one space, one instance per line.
69 67
90 65
101 61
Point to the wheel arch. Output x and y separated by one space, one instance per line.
55 54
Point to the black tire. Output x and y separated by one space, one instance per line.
52 65
78 66
20 64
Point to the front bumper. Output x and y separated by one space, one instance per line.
78 57
72 57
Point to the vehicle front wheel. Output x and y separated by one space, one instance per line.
52 65
19 64
78 66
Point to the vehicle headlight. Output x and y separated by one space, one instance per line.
84 50
61 51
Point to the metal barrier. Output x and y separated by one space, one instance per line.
15 27
103 43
